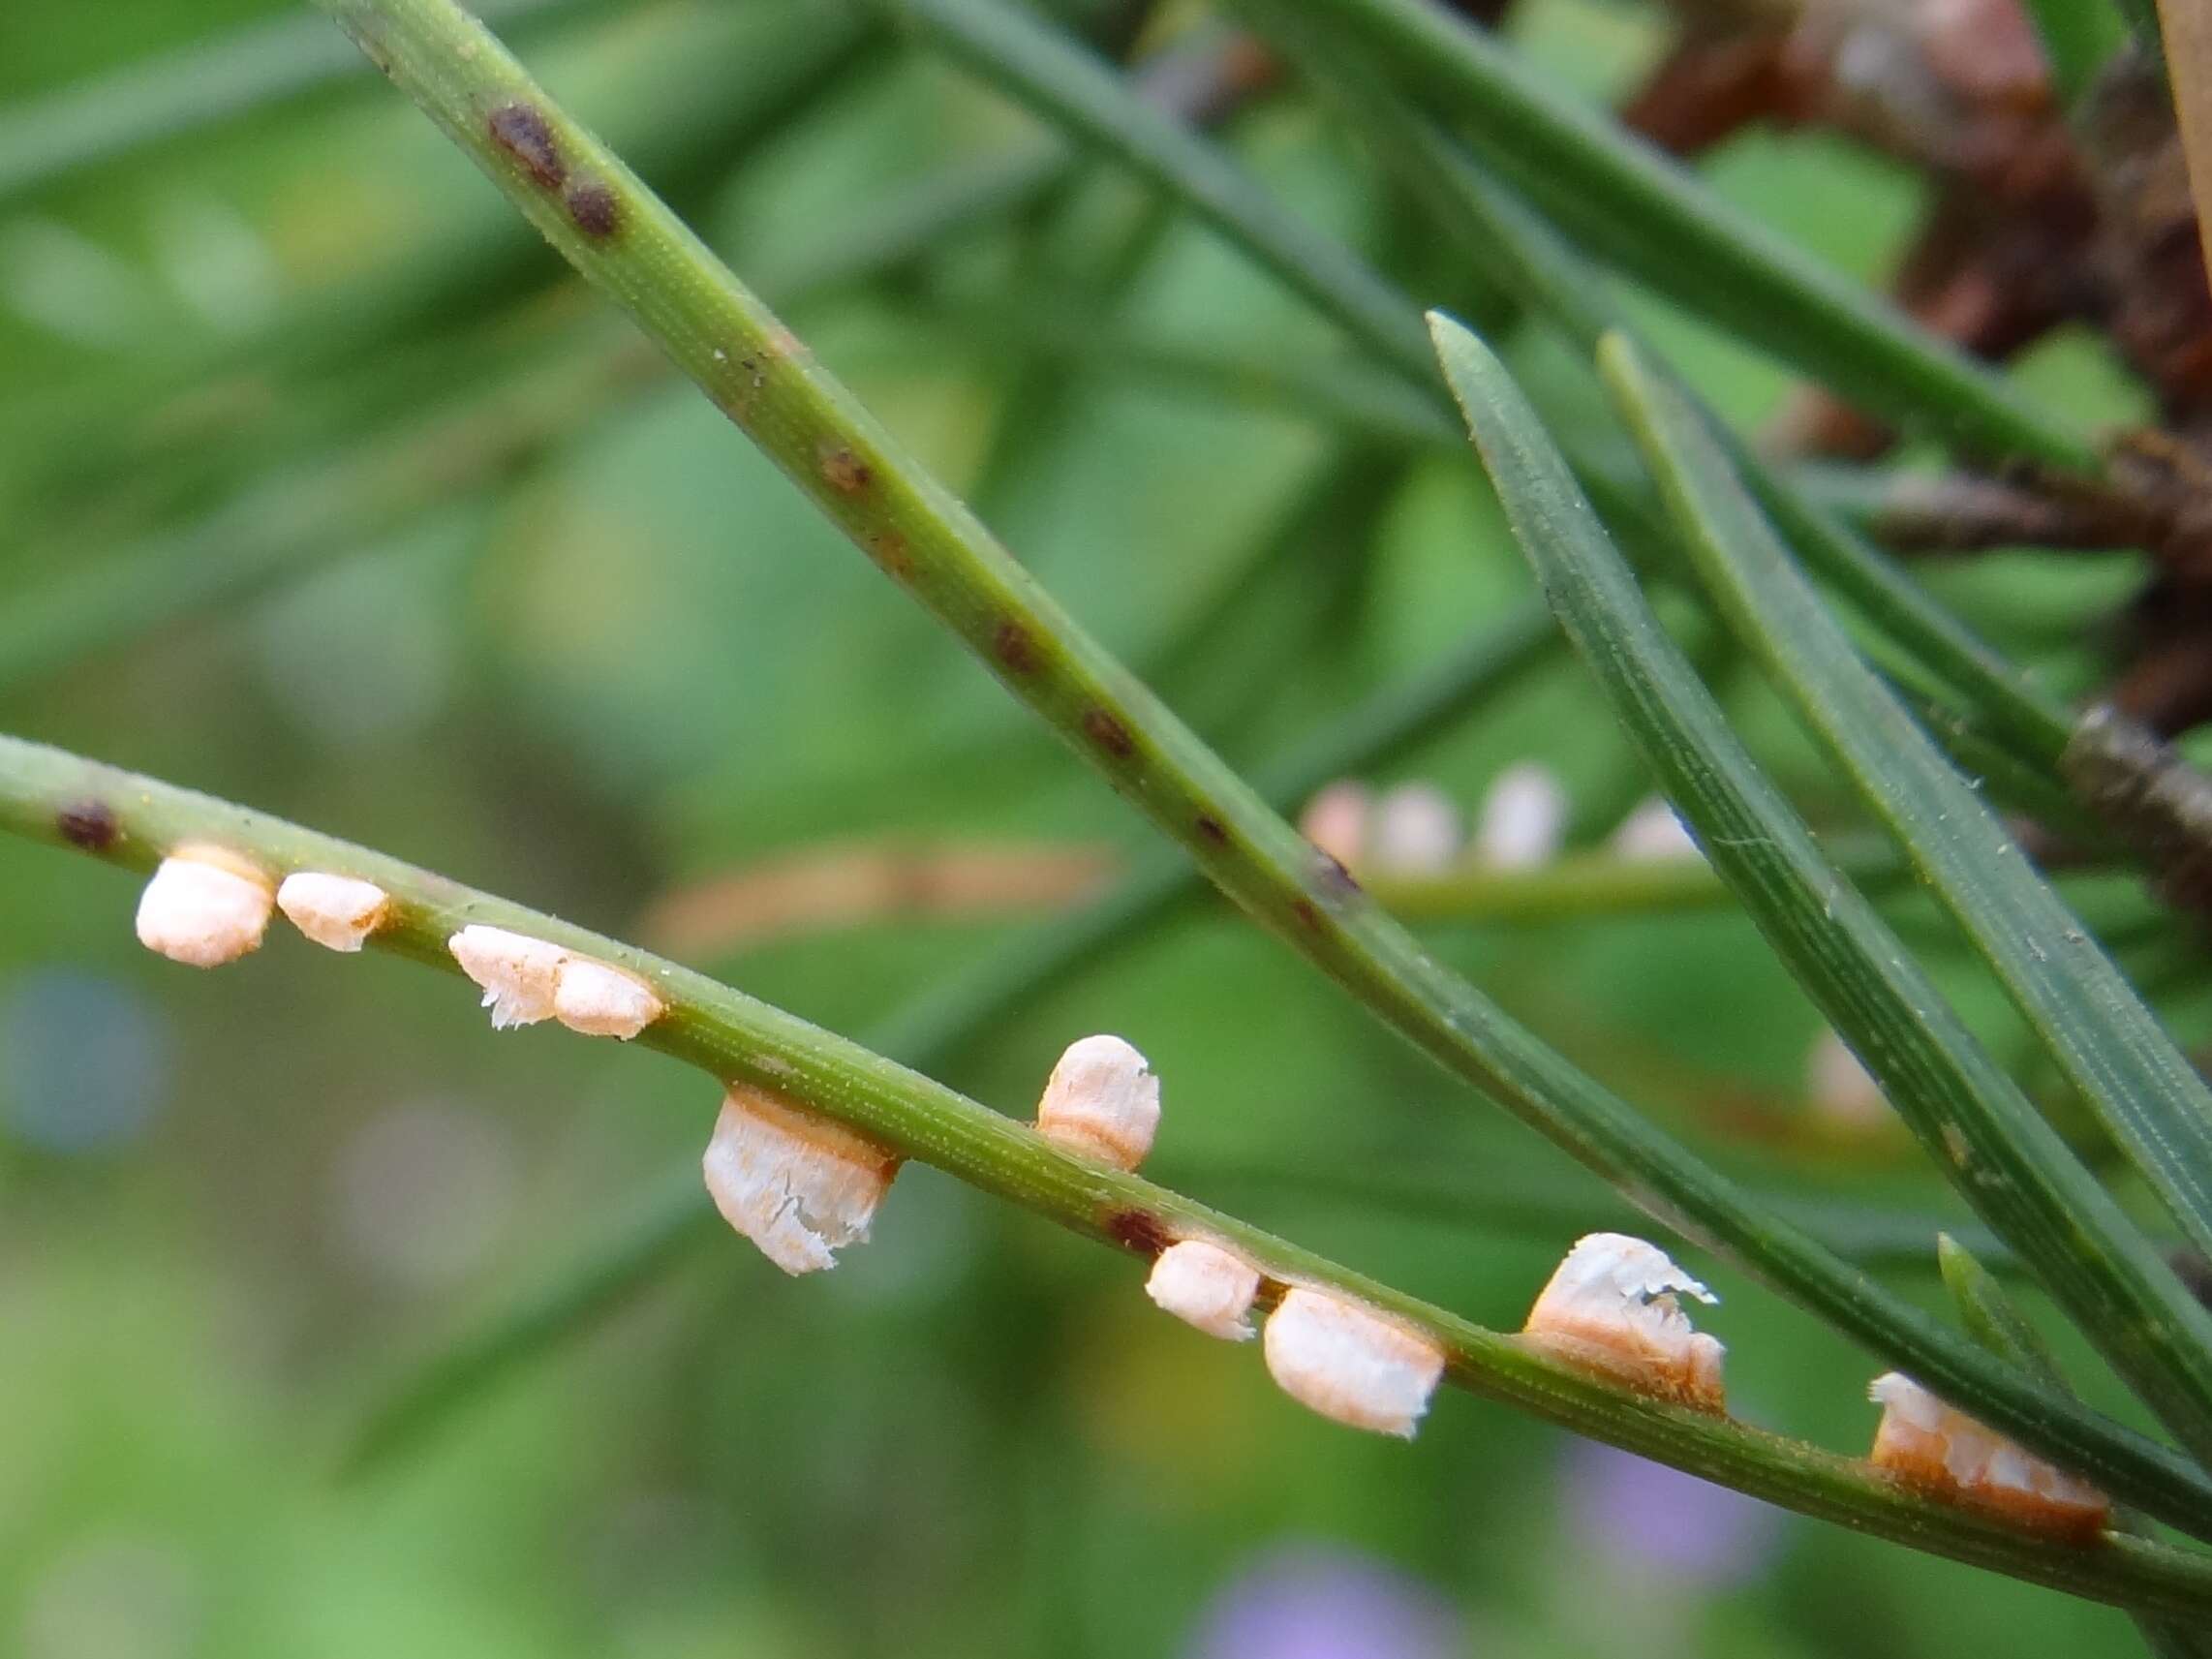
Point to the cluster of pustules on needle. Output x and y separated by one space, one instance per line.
1417 829
801 1186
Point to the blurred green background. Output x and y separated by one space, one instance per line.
235 1208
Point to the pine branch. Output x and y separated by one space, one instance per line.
598 215
134 821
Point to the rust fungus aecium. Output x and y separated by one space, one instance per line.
602 1000
338 912
1840 1090
1102 1102
516 973
1205 1286
1523 818
526 980
1652 834
204 906
798 1185
1350 1363
1415 830
1336 820
1613 1306
1944 1452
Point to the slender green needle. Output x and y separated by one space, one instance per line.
1990 1315
2010 780
2035 724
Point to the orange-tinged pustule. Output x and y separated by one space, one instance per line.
798 1185
338 912
1613 1306
206 906
1205 1286
1523 820
1336 820
1415 830
1102 1102
1947 1453
1350 1363
526 980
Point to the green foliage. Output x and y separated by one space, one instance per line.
331 490
1966 1112
2090 1021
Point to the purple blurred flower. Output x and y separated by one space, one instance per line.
1316 1602
1641 1513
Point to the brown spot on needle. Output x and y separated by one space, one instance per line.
1011 644
89 824
1108 732
845 472
1138 1230
522 133
592 208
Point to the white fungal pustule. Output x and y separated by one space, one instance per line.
1349 1363
336 911
1523 818
797 1184
519 974
1336 820
526 980
602 1000
1613 1306
1949 1455
1102 1102
1652 834
1205 1286
1415 831
206 906
1841 1090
